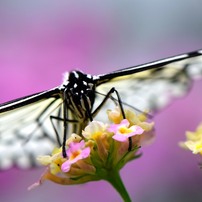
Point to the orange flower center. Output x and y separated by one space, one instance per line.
74 154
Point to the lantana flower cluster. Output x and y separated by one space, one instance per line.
193 141
100 151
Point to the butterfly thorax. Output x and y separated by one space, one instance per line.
80 94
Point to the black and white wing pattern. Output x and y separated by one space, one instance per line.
152 86
26 130
34 125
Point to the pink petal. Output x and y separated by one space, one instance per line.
86 152
125 122
74 146
113 128
137 130
120 137
65 166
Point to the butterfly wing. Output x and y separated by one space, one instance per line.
150 87
26 130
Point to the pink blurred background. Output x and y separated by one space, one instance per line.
40 40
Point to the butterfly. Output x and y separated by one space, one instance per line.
33 125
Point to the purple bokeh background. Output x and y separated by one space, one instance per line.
40 40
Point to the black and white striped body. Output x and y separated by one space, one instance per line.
79 92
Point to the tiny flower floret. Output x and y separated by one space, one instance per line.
195 147
75 152
194 141
94 130
122 131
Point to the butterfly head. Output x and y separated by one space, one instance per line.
80 93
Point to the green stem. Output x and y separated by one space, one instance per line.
115 180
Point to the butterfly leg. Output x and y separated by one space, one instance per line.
39 125
86 104
109 96
59 119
